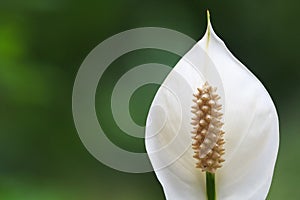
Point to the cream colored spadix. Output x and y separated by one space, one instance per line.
250 125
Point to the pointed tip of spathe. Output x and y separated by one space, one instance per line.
208 17
209 34
208 29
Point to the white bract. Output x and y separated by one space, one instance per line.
250 125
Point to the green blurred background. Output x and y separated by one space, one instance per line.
42 45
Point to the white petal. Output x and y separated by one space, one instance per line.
251 126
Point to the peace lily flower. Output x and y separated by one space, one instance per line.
212 129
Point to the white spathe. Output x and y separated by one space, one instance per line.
250 124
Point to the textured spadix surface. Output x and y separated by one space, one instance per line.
250 125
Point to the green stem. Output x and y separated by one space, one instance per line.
210 186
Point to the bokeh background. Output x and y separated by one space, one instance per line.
42 45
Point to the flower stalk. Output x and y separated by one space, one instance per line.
210 186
